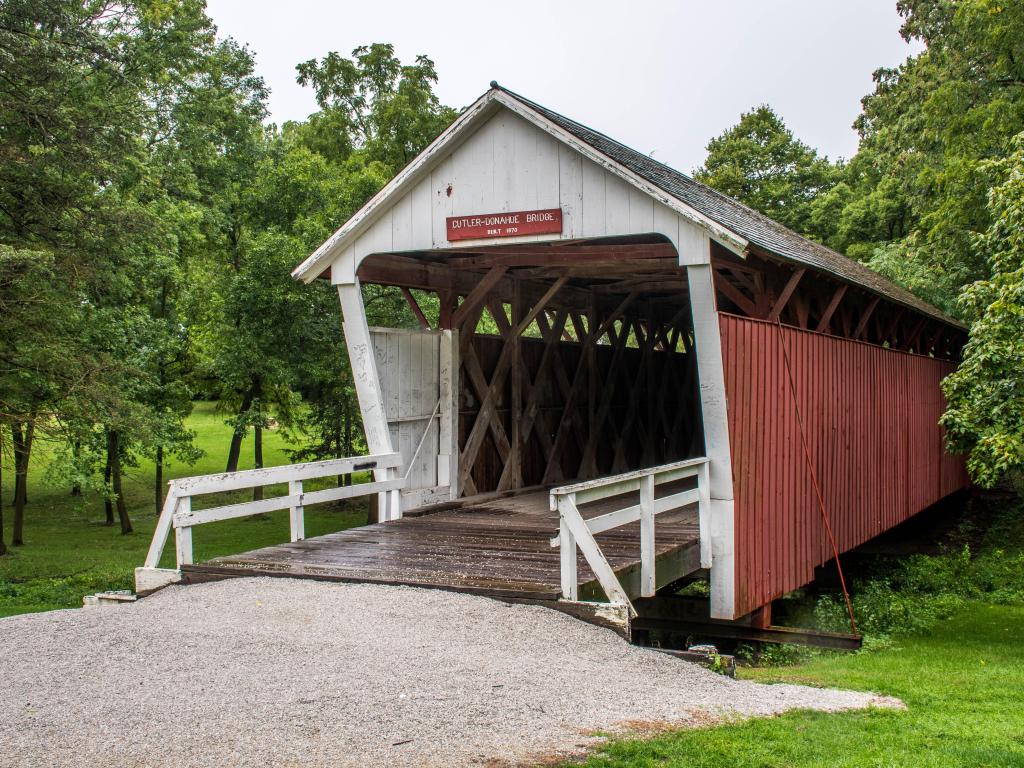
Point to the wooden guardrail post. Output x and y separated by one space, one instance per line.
183 536
647 587
567 556
296 512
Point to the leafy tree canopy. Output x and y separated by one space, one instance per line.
759 162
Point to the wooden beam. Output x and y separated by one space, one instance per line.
472 255
674 285
477 295
826 316
415 307
446 302
780 303
734 295
864 318
390 269
887 334
619 310
914 334
540 304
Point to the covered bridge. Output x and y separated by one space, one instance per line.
667 375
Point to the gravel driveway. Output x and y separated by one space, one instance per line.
261 672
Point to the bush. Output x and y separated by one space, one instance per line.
924 589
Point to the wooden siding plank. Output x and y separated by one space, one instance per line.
870 416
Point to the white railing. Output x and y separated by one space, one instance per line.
177 512
576 531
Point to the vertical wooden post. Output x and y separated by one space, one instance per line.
448 429
647 585
368 392
567 556
589 470
296 512
704 515
516 384
714 414
183 536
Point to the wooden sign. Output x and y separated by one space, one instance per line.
543 222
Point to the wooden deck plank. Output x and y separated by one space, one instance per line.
497 546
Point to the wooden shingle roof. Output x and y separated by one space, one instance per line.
756 228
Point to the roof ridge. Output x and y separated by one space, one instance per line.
761 230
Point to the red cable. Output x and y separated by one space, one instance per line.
814 477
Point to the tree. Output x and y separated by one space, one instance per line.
760 163
928 130
90 99
373 103
985 416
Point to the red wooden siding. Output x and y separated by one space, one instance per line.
871 419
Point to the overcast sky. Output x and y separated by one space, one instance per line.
662 77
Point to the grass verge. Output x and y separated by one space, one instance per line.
962 682
69 552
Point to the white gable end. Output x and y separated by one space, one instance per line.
508 164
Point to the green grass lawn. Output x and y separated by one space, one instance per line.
962 682
69 552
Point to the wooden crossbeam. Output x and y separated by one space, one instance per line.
478 294
914 334
589 453
787 291
552 334
616 314
862 324
497 311
541 304
670 284
487 417
415 307
544 255
734 295
887 334
826 316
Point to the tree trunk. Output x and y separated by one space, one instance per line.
76 489
114 458
22 436
3 546
158 484
108 504
236 439
257 492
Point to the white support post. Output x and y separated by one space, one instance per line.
296 513
448 403
714 415
647 587
704 515
183 536
371 401
395 504
567 556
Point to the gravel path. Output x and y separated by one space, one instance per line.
258 672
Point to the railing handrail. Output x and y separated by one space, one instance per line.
177 513
198 485
576 531
635 474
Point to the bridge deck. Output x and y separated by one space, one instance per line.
498 547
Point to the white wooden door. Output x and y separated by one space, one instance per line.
408 365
